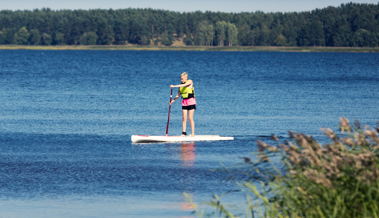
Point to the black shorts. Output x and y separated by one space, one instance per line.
189 107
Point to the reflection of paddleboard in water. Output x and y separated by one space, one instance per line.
147 138
188 153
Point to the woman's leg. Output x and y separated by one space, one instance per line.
192 122
184 122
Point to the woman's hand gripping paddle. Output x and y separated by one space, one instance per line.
169 110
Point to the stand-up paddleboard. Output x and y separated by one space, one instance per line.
167 138
147 138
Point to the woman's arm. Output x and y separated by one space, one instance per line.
176 97
189 82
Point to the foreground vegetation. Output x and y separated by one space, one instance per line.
349 25
338 179
190 48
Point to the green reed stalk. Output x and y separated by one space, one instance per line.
340 179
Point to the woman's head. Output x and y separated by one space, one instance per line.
184 77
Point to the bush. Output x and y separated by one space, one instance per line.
340 179
188 41
166 39
281 40
21 37
144 40
88 38
35 37
59 38
46 39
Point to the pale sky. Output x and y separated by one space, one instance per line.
180 5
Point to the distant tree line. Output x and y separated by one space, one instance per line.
347 25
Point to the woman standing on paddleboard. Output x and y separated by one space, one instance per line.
187 92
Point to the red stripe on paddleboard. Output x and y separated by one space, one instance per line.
159 136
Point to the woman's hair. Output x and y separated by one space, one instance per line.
184 74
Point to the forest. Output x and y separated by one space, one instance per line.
349 25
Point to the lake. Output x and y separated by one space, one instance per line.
67 118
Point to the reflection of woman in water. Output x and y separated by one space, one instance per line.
186 90
188 158
188 153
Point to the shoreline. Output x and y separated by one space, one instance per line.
190 48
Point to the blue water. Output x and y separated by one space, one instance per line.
66 118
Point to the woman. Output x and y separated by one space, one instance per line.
187 92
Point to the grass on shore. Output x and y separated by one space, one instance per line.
190 48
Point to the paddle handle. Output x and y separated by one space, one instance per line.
169 110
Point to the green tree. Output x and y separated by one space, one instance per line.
281 40
165 39
210 35
2 38
202 32
220 32
342 36
35 37
46 39
244 35
104 32
170 33
256 33
276 30
290 33
318 34
232 35
121 31
263 36
188 41
21 37
143 40
59 39
138 29
9 35
88 38
205 33
363 38
312 35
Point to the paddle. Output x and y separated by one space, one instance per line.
169 110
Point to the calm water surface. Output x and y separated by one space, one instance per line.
66 118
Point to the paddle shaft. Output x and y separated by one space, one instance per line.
169 110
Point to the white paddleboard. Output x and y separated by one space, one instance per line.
147 138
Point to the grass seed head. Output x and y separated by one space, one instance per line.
246 159
357 124
274 137
344 125
291 134
273 149
284 147
348 141
261 146
263 157
328 132
359 138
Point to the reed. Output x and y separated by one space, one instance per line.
337 179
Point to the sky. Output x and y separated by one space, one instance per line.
180 5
